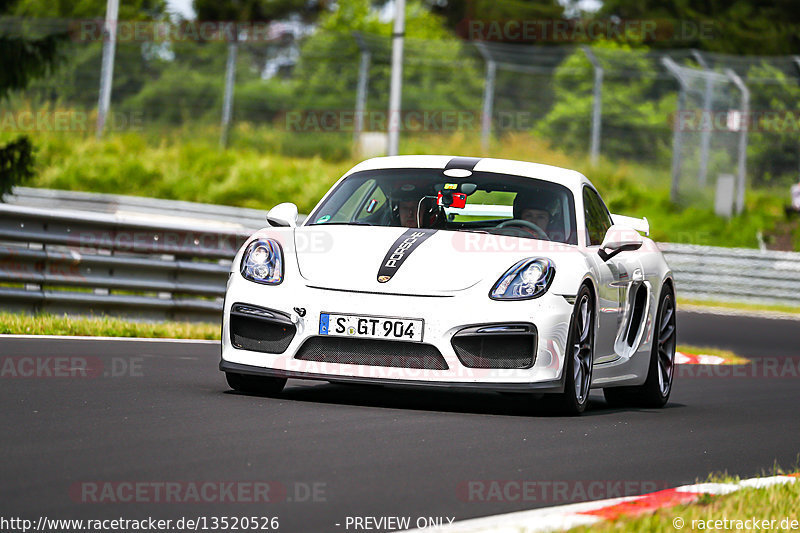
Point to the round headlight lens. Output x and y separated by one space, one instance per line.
529 278
532 274
260 255
262 262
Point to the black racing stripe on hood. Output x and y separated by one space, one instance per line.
400 250
466 163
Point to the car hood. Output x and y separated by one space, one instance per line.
442 262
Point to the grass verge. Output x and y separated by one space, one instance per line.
44 324
777 308
257 171
777 502
104 326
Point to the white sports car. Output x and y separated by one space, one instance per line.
469 273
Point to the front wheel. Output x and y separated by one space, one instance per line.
657 387
267 386
579 358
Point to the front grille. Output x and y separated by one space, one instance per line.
259 335
492 350
371 352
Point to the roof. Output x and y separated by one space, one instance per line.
566 177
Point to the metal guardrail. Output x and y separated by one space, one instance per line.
734 274
165 211
67 261
67 252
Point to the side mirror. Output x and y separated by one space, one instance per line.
619 239
283 215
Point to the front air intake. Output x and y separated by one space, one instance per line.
507 346
260 330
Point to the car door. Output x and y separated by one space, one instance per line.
613 277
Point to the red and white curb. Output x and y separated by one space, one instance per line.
589 513
682 358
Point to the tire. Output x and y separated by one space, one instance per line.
657 387
579 358
266 386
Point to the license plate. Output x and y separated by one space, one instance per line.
371 327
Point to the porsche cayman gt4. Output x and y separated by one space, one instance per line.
468 273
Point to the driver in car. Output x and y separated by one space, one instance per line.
534 208
412 209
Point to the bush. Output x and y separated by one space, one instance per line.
16 164
180 95
634 113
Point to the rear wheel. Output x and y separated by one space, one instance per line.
657 387
267 386
579 358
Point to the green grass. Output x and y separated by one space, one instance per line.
44 324
265 166
775 502
777 308
193 169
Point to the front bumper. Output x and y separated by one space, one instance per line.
539 387
443 315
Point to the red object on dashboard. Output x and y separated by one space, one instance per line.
457 200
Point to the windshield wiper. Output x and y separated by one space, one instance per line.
470 230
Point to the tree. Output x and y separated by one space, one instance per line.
634 109
256 10
16 164
85 9
24 59
759 27
775 129
438 73
457 13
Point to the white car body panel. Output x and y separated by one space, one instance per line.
446 282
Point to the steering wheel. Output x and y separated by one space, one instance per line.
539 232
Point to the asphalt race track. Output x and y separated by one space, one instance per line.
161 412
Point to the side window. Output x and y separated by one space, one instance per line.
346 212
597 218
372 206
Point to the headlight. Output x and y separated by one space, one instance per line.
530 278
262 262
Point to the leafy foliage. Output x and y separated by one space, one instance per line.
25 59
772 148
634 115
83 9
16 164
255 10
758 27
448 78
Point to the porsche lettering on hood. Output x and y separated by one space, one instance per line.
400 250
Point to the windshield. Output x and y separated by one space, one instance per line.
425 198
